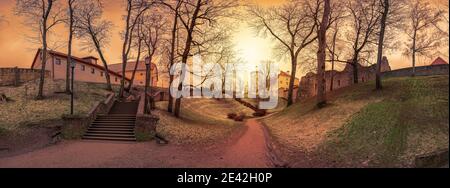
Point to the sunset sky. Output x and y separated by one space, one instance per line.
15 50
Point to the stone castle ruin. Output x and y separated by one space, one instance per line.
344 78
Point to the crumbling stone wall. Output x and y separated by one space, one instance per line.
15 76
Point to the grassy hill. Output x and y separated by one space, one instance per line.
23 109
363 127
203 121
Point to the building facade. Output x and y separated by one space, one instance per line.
344 78
283 85
86 69
284 78
139 77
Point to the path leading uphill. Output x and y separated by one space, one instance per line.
246 151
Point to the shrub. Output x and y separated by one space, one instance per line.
240 117
231 115
260 113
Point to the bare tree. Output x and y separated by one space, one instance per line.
335 46
198 16
423 36
364 21
175 11
385 11
392 16
94 32
321 54
294 26
138 43
41 16
291 25
134 10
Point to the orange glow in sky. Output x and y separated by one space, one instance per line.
15 50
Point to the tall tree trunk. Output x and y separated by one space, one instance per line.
321 101
124 49
43 62
44 49
414 55
355 70
135 67
105 64
69 48
290 99
333 53
380 44
186 54
172 58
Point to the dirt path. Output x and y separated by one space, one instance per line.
249 150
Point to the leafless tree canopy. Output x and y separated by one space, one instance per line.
423 36
34 13
292 25
41 17
93 31
89 24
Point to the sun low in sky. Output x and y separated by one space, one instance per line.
251 48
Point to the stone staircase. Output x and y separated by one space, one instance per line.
118 125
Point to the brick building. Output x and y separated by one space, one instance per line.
344 78
86 69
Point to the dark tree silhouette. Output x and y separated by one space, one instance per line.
41 17
321 55
424 37
93 32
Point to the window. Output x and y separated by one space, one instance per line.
142 74
101 74
142 82
339 82
92 70
83 67
57 61
115 79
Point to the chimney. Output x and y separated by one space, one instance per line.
91 59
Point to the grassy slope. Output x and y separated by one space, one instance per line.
203 121
24 110
362 127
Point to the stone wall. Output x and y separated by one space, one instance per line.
15 76
341 79
74 126
420 71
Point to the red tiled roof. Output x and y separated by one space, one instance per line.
130 66
80 60
439 61
282 73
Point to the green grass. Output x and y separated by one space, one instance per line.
364 127
411 119
25 110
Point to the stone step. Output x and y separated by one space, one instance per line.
118 115
114 122
111 132
113 126
108 138
109 135
117 119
